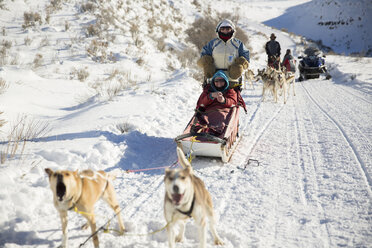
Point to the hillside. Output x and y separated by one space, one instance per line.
342 25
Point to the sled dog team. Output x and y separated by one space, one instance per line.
185 197
276 81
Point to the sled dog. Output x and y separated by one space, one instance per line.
79 191
187 197
269 82
290 77
249 78
281 81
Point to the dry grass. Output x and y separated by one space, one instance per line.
97 50
87 7
3 55
44 42
188 57
116 82
93 30
38 61
7 44
30 19
160 44
67 25
23 130
2 5
2 122
81 74
4 51
134 29
3 86
27 41
124 127
54 6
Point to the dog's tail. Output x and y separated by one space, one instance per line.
182 159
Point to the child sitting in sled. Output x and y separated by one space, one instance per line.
218 93
214 104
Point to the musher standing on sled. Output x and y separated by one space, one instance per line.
272 48
225 53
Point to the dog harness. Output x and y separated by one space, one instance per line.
73 207
188 213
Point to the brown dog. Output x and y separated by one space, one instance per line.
186 197
79 191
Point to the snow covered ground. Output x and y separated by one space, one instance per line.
313 185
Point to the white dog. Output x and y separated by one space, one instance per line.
290 77
281 81
269 82
186 197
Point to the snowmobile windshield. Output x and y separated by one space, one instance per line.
312 51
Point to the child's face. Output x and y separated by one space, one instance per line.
219 82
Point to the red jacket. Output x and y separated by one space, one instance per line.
205 100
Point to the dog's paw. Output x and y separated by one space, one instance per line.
85 226
179 239
218 242
122 231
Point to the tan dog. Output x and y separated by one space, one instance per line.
186 197
73 190
249 78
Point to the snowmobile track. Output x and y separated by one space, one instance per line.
357 156
353 94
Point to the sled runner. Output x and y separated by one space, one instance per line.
213 133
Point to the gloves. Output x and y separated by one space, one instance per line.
237 68
207 64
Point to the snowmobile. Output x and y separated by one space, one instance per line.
214 133
312 65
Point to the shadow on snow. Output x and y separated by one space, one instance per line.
142 151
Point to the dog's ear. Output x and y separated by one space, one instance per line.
49 172
182 159
167 173
189 170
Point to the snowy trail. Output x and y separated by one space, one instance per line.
354 136
334 170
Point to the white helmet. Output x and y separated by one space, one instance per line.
225 23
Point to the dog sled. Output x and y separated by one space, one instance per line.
213 133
